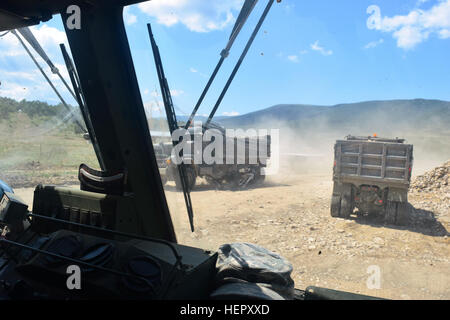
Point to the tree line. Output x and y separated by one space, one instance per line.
34 109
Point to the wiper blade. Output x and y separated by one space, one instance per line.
80 99
172 121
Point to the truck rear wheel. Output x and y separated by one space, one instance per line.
335 206
391 212
402 213
396 213
342 201
346 206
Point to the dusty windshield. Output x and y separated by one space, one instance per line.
326 142
43 134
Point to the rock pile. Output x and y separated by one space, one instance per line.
437 179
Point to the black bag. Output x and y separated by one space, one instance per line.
244 262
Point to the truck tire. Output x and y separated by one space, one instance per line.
396 213
342 204
335 206
390 214
346 206
347 203
259 178
402 214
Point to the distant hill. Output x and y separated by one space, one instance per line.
418 114
389 117
36 132
314 129
17 115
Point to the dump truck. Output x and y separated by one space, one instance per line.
240 167
372 174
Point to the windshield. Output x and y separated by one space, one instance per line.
43 134
315 79
330 146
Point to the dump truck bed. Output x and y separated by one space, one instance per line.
370 160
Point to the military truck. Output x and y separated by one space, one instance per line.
244 168
373 175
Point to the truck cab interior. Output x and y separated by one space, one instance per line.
118 227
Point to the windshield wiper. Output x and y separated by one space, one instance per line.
28 36
242 18
80 100
172 121
240 21
238 64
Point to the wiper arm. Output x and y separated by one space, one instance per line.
172 121
80 99
26 33
238 64
242 18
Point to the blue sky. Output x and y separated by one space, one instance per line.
307 52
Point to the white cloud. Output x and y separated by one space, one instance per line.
153 108
13 90
420 2
293 58
128 17
176 93
20 79
48 37
373 44
231 114
415 27
31 86
444 34
315 46
173 92
193 70
196 15
27 75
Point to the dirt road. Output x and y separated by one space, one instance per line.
290 215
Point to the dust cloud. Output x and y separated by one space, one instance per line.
308 147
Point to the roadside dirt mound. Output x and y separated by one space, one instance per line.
30 179
436 180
